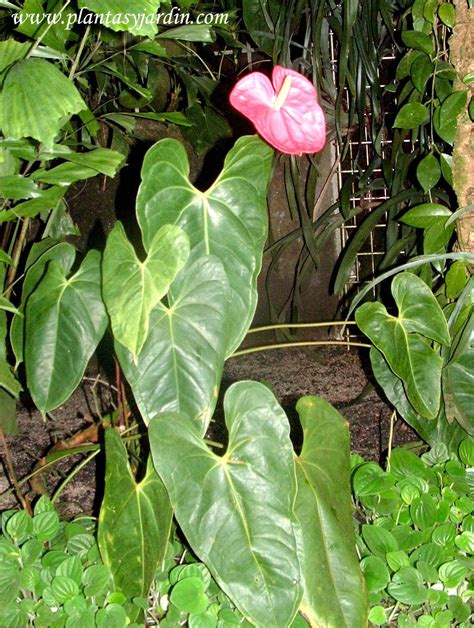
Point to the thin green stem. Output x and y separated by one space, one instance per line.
71 475
40 38
290 345
79 53
299 326
393 418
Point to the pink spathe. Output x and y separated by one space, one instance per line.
285 111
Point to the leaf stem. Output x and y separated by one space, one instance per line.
299 326
289 345
72 474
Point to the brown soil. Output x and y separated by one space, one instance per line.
337 375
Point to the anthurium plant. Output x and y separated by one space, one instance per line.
422 354
273 526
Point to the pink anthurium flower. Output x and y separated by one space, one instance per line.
285 111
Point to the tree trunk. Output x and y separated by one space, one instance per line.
461 45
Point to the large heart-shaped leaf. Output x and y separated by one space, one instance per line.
65 320
236 510
404 339
180 365
133 288
134 522
334 589
229 220
41 254
432 432
26 106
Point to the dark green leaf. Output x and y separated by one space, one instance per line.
333 593
411 116
428 172
423 512
420 71
46 525
458 380
180 365
418 41
229 220
134 521
65 320
132 288
378 540
435 431
402 339
236 510
407 586
375 573
437 236
452 107
447 14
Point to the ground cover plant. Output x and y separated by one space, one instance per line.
257 529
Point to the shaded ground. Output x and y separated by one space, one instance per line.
337 375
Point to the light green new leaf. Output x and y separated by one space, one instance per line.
64 322
79 166
26 106
229 220
134 522
180 366
12 51
334 590
135 16
403 339
133 288
102 160
236 510
16 186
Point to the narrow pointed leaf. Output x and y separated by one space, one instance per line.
334 589
236 510
229 220
65 320
133 288
404 339
180 366
134 522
